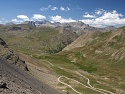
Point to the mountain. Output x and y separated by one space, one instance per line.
99 37
106 49
106 46
9 23
44 23
110 28
31 23
78 27
100 54
40 23
45 39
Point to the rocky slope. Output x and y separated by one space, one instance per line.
104 50
111 39
10 56
16 81
13 78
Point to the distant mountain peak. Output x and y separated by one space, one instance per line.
110 27
9 23
32 23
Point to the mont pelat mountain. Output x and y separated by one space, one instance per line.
40 57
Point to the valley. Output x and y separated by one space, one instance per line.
88 61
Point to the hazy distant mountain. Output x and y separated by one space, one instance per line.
110 28
9 23
32 23
78 27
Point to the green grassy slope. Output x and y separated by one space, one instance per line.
100 56
31 40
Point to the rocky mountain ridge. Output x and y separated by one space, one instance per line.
10 56
78 27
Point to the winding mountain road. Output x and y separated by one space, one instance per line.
88 83
97 89
102 91
89 86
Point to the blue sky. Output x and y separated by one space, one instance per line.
98 13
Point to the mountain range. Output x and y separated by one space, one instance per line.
78 27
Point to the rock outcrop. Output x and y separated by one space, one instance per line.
10 56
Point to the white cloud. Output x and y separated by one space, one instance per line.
78 7
23 17
17 21
53 8
111 15
38 17
68 8
14 20
99 18
0 22
100 11
49 7
89 16
43 9
3 21
58 18
64 9
105 18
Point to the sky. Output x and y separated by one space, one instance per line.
97 13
